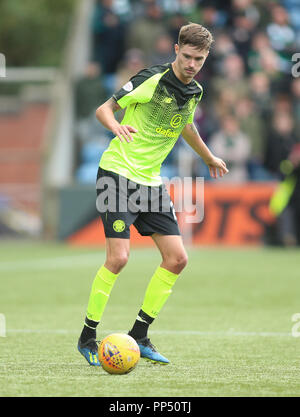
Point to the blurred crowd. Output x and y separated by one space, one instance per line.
250 110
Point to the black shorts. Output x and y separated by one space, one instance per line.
122 202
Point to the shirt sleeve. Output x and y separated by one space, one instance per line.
139 89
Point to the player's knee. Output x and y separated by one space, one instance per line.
182 261
117 262
121 260
178 263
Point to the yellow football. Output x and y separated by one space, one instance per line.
118 353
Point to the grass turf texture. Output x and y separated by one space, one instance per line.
226 328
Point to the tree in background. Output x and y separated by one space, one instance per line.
32 32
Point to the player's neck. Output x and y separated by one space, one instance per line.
179 75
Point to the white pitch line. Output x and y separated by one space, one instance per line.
59 262
163 332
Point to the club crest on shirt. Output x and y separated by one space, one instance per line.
191 104
176 121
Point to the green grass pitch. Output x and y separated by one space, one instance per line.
227 327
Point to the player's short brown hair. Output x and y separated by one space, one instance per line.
195 35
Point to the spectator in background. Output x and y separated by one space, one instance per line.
282 104
282 37
245 17
270 64
169 7
89 91
206 121
231 143
223 47
163 50
143 33
124 9
260 93
188 8
293 9
250 10
91 137
259 44
281 34
108 35
262 57
253 126
133 62
225 102
174 23
212 18
280 143
295 90
294 203
233 76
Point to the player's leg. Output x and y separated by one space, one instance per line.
117 252
174 256
162 226
116 225
174 259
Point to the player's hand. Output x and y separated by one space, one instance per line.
217 166
124 132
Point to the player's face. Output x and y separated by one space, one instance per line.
189 61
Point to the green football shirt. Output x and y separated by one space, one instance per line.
159 106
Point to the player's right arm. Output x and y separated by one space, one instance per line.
105 115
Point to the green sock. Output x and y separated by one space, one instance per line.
158 291
101 288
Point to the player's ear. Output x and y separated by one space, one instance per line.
176 47
206 52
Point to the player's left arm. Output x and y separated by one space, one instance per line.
216 165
